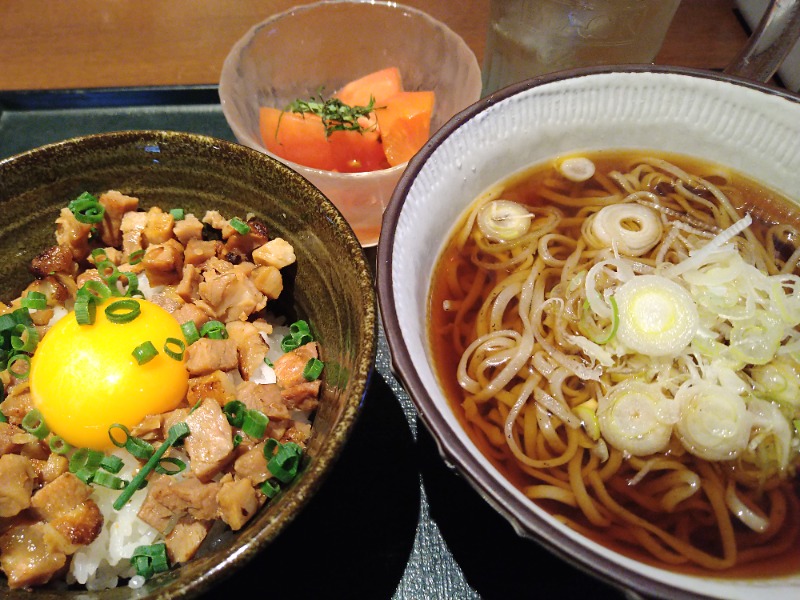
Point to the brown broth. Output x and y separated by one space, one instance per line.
766 208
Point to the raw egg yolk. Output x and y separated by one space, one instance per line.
84 378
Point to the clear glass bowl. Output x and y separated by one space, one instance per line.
324 45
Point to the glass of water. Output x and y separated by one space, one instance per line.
526 38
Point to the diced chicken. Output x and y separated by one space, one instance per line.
72 233
210 441
251 347
149 428
159 226
48 470
163 263
217 385
31 554
65 504
185 539
167 299
17 404
16 484
56 259
217 221
289 367
252 464
198 252
168 497
237 500
13 438
57 288
207 355
302 396
132 228
231 294
299 433
265 397
88 275
191 312
188 228
277 253
268 280
116 205
244 244
187 287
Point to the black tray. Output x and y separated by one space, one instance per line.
391 520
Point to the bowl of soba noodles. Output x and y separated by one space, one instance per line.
589 284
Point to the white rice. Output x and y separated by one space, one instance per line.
102 563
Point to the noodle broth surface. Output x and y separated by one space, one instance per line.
529 366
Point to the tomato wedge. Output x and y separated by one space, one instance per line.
404 121
380 85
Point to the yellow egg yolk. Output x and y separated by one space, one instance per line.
84 378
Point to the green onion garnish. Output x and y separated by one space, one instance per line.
255 423
136 257
270 489
59 445
169 348
144 352
299 335
285 462
178 214
108 480
97 288
85 309
112 463
139 448
25 339
34 301
19 366
175 433
190 332
87 208
214 330
149 560
33 423
313 369
235 411
123 311
239 225
169 460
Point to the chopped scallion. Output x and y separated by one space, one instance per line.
123 311
255 423
87 208
33 423
190 332
313 369
145 352
170 346
34 301
240 226
214 330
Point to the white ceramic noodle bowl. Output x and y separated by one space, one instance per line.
749 127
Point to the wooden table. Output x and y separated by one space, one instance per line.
98 43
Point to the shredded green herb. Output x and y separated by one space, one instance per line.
335 114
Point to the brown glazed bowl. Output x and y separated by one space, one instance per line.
332 288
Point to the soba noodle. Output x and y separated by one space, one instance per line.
626 347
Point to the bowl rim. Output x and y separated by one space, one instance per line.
241 551
454 452
229 64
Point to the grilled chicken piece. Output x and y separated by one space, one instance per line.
229 292
116 205
185 539
56 259
250 346
65 503
17 477
188 285
132 229
158 228
277 253
169 497
289 367
31 554
210 440
237 500
188 228
265 397
206 356
252 464
198 252
72 233
217 385
163 263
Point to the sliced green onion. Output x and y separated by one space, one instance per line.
313 369
178 214
85 309
34 301
268 362
214 330
26 339
172 343
144 352
149 560
237 439
87 209
239 225
7 322
270 489
112 463
33 423
255 423
299 335
109 480
19 372
59 445
190 332
169 460
99 255
235 411
139 448
285 462
136 257
97 288
123 311
175 433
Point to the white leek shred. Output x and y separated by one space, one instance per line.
634 417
